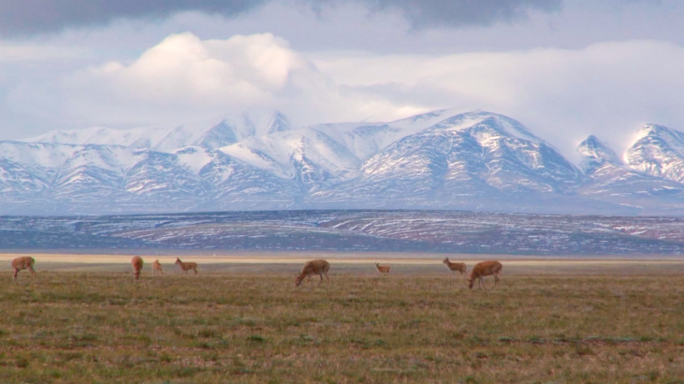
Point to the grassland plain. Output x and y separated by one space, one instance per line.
563 322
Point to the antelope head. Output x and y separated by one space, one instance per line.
298 281
470 283
446 261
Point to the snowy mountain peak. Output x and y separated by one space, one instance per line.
595 153
659 152
651 133
499 123
278 123
444 159
651 130
211 134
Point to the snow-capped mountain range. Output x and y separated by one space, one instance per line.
260 161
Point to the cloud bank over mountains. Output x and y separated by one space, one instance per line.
609 88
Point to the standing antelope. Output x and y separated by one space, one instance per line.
313 267
156 267
384 269
25 262
485 268
137 263
186 266
453 267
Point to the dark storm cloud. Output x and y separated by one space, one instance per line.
27 17
457 13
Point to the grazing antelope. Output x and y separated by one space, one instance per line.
156 267
137 263
485 268
453 267
186 266
384 269
313 267
25 262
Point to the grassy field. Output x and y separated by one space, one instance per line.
548 322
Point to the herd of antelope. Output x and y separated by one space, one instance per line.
27 262
137 264
311 268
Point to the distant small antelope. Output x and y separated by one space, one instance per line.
453 267
156 267
384 269
25 262
485 268
137 264
313 267
186 266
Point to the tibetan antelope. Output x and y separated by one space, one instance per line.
137 264
453 267
384 269
25 262
313 267
186 266
156 267
485 268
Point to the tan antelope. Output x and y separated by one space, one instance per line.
453 267
20 263
313 267
186 266
137 264
156 267
384 269
485 268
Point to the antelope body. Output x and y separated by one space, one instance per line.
313 267
485 268
384 269
25 262
453 267
156 267
186 266
137 264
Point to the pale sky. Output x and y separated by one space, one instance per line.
564 68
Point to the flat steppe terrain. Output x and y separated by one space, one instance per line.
84 319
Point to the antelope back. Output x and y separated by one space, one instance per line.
23 262
137 262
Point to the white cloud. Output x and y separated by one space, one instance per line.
184 78
241 70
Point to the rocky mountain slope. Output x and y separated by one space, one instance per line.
259 161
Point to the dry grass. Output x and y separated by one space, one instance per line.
416 325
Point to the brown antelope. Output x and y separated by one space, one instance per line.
485 268
156 267
313 267
137 263
453 267
186 266
25 262
384 269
